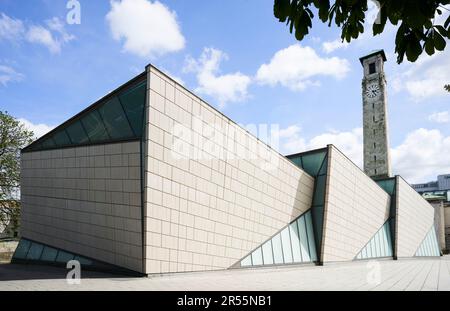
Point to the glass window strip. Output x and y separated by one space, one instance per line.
48 143
277 249
126 116
104 125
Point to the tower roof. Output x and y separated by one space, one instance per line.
375 52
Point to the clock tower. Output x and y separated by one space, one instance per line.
376 135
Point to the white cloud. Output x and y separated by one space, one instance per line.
290 140
425 78
53 35
39 130
58 26
224 88
331 46
349 142
9 74
419 158
41 35
10 29
422 156
440 117
148 28
295 67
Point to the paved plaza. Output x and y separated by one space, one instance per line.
409 274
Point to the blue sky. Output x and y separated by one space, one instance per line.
236 56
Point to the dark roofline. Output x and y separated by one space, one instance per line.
139 78
372 54
306 152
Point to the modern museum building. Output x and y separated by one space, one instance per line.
151 179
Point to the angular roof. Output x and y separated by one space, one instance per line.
115 117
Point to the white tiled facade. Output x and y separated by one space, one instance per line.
355 209
199 193
415 217
207 204
86 200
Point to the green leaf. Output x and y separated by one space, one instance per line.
429 46
442 31
447 22
439 42
413 49
282 9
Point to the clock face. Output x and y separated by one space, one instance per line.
373 90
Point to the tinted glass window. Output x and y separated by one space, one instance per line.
267 253
133 102
77 134
94 127
313 162
48 143
119 117
61 138
49 254
115 120
35 251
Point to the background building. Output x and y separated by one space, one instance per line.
442 184
152 179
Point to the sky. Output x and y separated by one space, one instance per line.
234 54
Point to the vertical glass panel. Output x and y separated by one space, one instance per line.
77 134
389 240
257 259
372 248
295 241
317 216
286 243
364 253
383 242
377 245
247 261
49 254
301 223
133 103
94 127
319 194
61 138
324 168
22 249
115 120
313 162
277 249
267 253
64 257
310 234
35 251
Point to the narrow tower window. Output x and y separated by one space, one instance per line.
375 158
374 145
372 68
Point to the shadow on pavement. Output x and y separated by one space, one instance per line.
21 272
